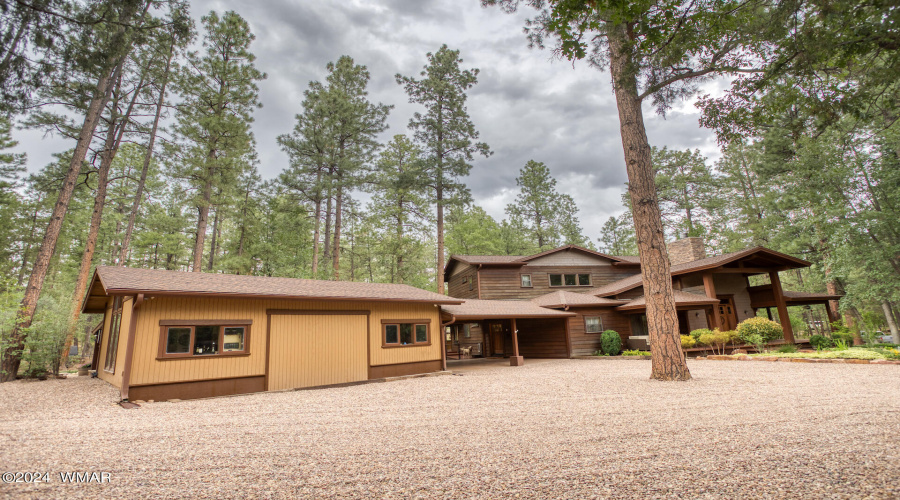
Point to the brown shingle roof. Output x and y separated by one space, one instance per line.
488 259
681 299
562 298
160 282
486 309
522 259
630 282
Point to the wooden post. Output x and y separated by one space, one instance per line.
782 307
710 287
568 339
515 359
769 313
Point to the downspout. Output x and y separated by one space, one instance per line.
129 350
443 340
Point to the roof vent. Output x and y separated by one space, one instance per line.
686 250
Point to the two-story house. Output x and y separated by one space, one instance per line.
506 296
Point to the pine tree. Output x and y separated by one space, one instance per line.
445 133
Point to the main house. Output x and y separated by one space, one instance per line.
170 334
604 292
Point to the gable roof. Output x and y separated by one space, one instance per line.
521 260
563 298
130 281
487 309
631 282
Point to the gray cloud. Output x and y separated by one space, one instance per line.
526 105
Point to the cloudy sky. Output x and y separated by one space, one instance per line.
525 105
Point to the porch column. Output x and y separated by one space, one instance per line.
782 307
515 359
710 287
829 310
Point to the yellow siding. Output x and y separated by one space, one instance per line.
115 378
146 369
312 350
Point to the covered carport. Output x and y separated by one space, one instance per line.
514 329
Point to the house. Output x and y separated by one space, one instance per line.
605 292
176 335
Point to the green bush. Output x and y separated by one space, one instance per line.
687 342
718 340
820 342
635 352
765 328
611 342
757 340
843 336
786 348
695 334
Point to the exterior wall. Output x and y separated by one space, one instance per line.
583 343
541 338
726 284
503 283
455 285
696 320
146 369
115 378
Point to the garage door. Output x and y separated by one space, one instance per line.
312 350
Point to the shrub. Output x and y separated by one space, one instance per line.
687 342
842 336
695 334
611 342
767 329
757 340
786 348
840 345
820 342
717 340
635 352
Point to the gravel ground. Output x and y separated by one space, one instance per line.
568 428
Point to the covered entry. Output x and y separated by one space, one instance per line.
313 348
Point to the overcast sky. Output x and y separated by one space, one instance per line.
525 105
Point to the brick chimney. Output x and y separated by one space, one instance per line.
686 250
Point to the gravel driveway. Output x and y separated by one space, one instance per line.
568 428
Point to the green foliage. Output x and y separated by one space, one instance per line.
820 342
717 340
787 348
634 352
696 334
767 329
849 353
611 343
840 345
687 342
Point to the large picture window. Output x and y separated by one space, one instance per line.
570 280
405 333
112 342
186 339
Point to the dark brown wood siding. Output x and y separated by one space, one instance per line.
584 344
542 338
456 287
503 283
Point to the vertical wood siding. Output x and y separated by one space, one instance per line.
313 350
583 343
146 369
455 285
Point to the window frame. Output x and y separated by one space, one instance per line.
530 280
115 329
386 322
599 318
165 325
562 279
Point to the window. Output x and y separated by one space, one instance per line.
467 331
112 343
203 338
570 280
526 280
593 324
472 283
406 333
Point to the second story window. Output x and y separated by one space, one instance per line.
526 280
570 280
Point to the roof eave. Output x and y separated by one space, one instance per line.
151 293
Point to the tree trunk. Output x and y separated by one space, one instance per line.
113 140
440 239
139 192
327 250
667 357
399 278
336 249
202 220
12 355
212 244
889 316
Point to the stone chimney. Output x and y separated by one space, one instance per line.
686 250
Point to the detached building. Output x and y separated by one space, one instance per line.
177 335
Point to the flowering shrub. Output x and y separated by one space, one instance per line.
767 329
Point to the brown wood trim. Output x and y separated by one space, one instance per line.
162 355
205 322
195 389
407 363
214 379
414 322
129 347
316 312
401 369
220 295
